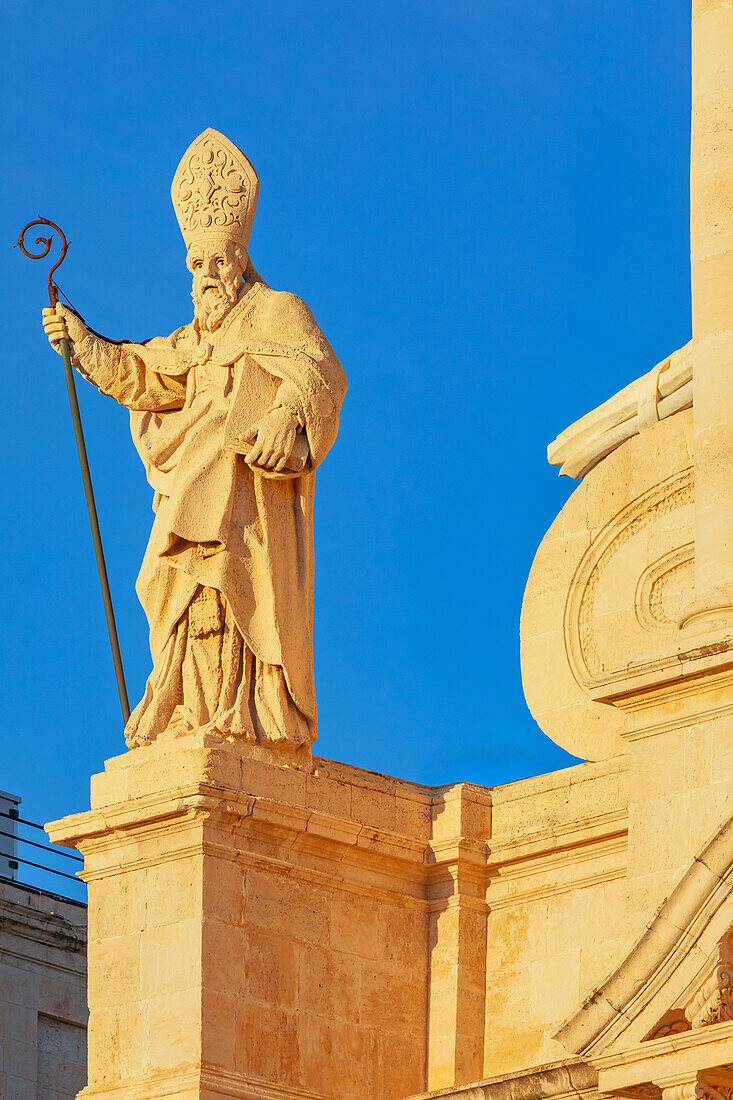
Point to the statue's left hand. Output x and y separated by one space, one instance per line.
273 443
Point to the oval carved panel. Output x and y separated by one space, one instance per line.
618 604
607 585
661 589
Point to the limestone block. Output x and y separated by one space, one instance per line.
355 927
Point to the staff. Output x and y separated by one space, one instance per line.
65 350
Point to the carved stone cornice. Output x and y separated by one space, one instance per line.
195 1083
379 838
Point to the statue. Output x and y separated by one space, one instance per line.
231 414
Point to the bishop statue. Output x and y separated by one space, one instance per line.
231 414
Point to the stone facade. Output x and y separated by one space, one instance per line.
328 932
268 924
43 1008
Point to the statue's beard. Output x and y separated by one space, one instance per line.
212 304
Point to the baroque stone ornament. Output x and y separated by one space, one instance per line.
713 1002
231 415
711 1084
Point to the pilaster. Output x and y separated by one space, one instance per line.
456 891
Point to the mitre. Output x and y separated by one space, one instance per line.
214 191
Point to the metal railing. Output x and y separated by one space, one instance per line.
40 875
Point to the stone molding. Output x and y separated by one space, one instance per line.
604 591
50 929
672 673
666 1062
573 1079
203 1084
285 828
653 583
582 623
712 1084
26 929
410 863
663 391
558 838
429 851
530 863
225 787
443 870
676 944
456 873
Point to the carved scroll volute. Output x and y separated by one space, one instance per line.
709 1084
713 1002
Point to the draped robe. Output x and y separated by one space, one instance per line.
230 557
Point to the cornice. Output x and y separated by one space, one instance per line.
49 929
199 1080
572 1079
198 817
559 838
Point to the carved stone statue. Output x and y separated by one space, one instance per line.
231 414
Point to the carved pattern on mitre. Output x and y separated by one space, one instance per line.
214 190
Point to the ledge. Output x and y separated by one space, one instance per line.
676 671
554 1081
670 1057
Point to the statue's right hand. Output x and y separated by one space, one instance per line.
61 324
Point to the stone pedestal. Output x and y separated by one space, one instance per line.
260 928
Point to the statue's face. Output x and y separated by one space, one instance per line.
217 268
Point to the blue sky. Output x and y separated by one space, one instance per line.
484 203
